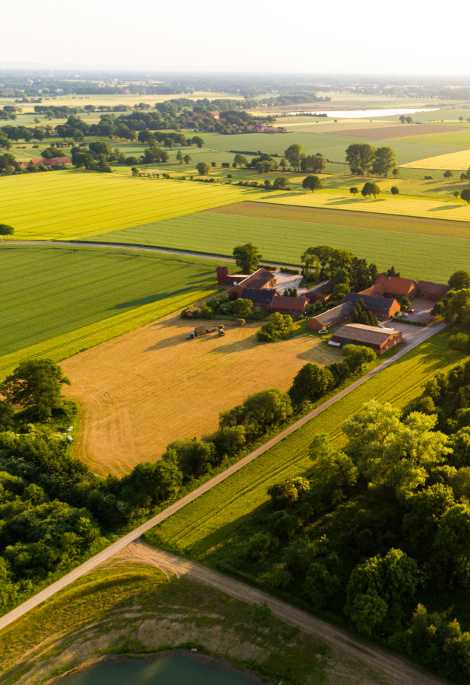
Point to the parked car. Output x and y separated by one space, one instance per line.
404 316
410 311
323 331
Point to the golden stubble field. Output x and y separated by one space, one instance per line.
149 387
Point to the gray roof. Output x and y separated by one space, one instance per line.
332 315
259 295
378 304
362 333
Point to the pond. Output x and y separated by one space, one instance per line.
177 668
366 113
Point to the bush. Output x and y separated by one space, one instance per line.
278 326
286 270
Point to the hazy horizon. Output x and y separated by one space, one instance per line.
242 38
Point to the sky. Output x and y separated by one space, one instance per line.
333 36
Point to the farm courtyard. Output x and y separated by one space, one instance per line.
149 387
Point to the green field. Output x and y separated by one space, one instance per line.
284 241
213 517
63 205
59 300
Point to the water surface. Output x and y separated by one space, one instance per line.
365 113
173 669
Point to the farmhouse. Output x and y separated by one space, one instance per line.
395 287
383 307
321 292
54 161
262 278
378 339
432 291
333 317
260 297
288 305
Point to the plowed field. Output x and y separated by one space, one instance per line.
147 388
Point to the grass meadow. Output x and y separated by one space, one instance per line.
64 205
200 526
57 300
283 241
459 161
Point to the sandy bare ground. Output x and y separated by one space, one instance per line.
149 387
381 664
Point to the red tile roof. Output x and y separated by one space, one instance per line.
396 285
433 288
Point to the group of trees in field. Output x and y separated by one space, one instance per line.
364 158
323 261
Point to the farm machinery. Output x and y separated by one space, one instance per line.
204 330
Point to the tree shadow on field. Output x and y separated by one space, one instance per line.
349 201
168 342
230 348
446 206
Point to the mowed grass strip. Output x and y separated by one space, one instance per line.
70 204
334 217
424 257
58 297
459 161
403 206
204 523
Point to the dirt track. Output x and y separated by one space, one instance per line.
389 668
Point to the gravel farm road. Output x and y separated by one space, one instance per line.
120 544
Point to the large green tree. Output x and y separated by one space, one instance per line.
294 155
370 189
6 229
385 161
312 183
459 280
36 385
360 157
247 257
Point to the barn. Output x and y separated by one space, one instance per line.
378 339
333 317
289 305
383 307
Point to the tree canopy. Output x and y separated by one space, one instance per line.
247 257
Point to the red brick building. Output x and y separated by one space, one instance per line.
260 279
432 291
383 307
224 278
333 317
378 339
289 305
261 298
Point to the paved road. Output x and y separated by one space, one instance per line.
135 534
380 663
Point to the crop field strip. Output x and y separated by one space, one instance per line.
200 526
459 161
284 241
402 206
52 292
403 131
68 204
338 217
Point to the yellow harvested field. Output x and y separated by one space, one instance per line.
402 206
64 205
457 161
149 387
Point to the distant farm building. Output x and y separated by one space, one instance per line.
260 297
432 291
383 307
378 339
333 317
54 161
224 278
289 305
321 292
260 279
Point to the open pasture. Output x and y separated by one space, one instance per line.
55 298
173 388
404 131
454 135
459 161
405 206
283 241
63 205
211 519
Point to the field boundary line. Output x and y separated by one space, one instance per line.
129 246
117 546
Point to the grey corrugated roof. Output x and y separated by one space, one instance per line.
380 304
332 315
260 296
362 333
